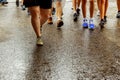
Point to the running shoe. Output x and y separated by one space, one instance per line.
23 7
102 23
91 24
105 19
39 42
85 23
60 23
78 11
118 15
75 16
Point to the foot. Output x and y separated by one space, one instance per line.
105 19
23 7
60 23
102 23
39 42
53 11
85 23
49 21
78 11
118 15
75 16
91 24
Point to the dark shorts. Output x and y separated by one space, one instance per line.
45 4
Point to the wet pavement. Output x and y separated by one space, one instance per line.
71 53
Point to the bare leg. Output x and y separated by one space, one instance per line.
79 1
102 9
44 14
91 8
106 7
118 5
98 4
59 13
58 10
74 5
84 8
35 19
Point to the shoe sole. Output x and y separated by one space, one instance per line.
39 44
50 23
75 19
60 24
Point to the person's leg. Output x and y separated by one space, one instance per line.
84 8
35 19
79 2
44 15
106 7
118 6
75 15
78 7
85 22
102 12
74 5
49 21
91 24
59 13
91 8
102 9
98 4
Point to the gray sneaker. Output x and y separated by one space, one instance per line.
39 41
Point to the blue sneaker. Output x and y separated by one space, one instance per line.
91 24
85 23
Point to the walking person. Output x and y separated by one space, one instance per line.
85 24
39 10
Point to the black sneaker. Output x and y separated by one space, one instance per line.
102 23
118 15
23 7
105 19
78 11
60 23
75 16
53 11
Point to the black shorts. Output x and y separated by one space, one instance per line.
45 4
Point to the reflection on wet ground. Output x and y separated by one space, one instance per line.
72 53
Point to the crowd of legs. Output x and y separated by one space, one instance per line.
40 15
